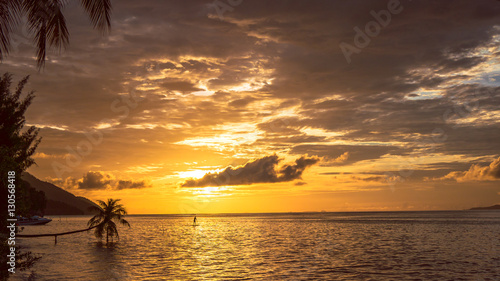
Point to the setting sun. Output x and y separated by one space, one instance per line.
255 140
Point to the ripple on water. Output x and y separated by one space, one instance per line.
378 246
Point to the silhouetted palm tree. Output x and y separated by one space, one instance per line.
109 214
46 22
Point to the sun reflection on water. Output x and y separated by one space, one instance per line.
317 246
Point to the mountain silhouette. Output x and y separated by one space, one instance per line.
59 201
494 207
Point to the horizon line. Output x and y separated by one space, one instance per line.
292 212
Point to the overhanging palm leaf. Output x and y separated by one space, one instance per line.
47 23
109 213
10 11
99 12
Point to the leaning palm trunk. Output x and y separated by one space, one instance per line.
55 234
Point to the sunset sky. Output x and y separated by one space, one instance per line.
264 96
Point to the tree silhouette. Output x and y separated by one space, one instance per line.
108 215
16 148
46 22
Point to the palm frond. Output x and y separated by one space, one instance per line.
41 45
99 12
95 220
10 12
111 229
124 222
94 209
102 204
47 23
108 213
58 35
99 231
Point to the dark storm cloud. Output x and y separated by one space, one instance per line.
414 38
398 115
263 170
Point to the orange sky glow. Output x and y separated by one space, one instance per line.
180 110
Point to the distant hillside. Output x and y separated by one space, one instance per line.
494 207
61 208
59 201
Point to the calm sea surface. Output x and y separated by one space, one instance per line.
456 245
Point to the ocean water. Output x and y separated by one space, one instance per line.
455 245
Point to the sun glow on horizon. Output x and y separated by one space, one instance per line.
192 174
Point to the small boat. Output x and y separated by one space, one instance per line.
34 220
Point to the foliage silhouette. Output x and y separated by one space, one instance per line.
17 145
46 22
108 215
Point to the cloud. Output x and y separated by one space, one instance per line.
277 65
337 155
100 180
182 86
127 184
94 180
477 173
377 178
241 102
41 155
291 172
263 170
337 161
